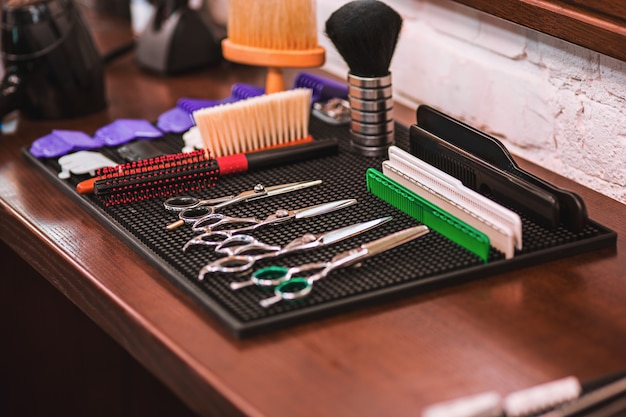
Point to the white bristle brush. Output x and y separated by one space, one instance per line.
485 404
522 403
542 397
256 123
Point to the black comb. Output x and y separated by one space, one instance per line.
573 213
495 183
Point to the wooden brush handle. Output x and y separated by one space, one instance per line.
86 186
274 59
303 58
274 82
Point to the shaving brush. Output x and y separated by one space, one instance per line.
365 33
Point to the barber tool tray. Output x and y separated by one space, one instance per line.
422 262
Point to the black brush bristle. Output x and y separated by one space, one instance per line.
365 33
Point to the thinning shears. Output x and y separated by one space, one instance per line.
238 261
291 286
212 237
191 209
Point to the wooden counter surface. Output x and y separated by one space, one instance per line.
502 333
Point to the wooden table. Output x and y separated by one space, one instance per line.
503 332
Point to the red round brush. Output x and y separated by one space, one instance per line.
155 177
182 173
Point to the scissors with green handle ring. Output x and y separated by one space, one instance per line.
252 223
191 209
294 287
240 262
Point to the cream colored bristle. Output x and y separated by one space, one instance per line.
255 123
273 24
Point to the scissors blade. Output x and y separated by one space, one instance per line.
395 239
352 230
323 208
285 188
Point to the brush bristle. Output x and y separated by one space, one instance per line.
255 123
162 176
273 24
365 33
530 401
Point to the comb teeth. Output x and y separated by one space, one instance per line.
425 212
192 104
238 91
322 88
443 162
156 177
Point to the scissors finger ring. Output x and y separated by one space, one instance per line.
243 244
191 215
207 239
292 289
230 264
269 276
180 203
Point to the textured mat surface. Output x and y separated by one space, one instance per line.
420 265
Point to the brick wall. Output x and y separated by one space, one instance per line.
551 102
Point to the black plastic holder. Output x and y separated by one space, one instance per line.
427 263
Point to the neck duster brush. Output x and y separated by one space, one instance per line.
365 33
275 34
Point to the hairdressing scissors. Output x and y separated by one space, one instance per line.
291 286
212 237
191 209
240 262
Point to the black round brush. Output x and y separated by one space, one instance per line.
365 33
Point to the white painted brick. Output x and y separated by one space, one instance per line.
550 101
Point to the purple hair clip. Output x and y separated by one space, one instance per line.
62 142
124 130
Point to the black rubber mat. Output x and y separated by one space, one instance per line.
426 263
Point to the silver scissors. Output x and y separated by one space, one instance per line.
191 209
291 286
213 237
240 262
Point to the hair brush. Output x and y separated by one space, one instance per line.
275 34
259 122
168 175
154 177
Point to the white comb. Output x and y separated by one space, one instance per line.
501 225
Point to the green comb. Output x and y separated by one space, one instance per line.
427 213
